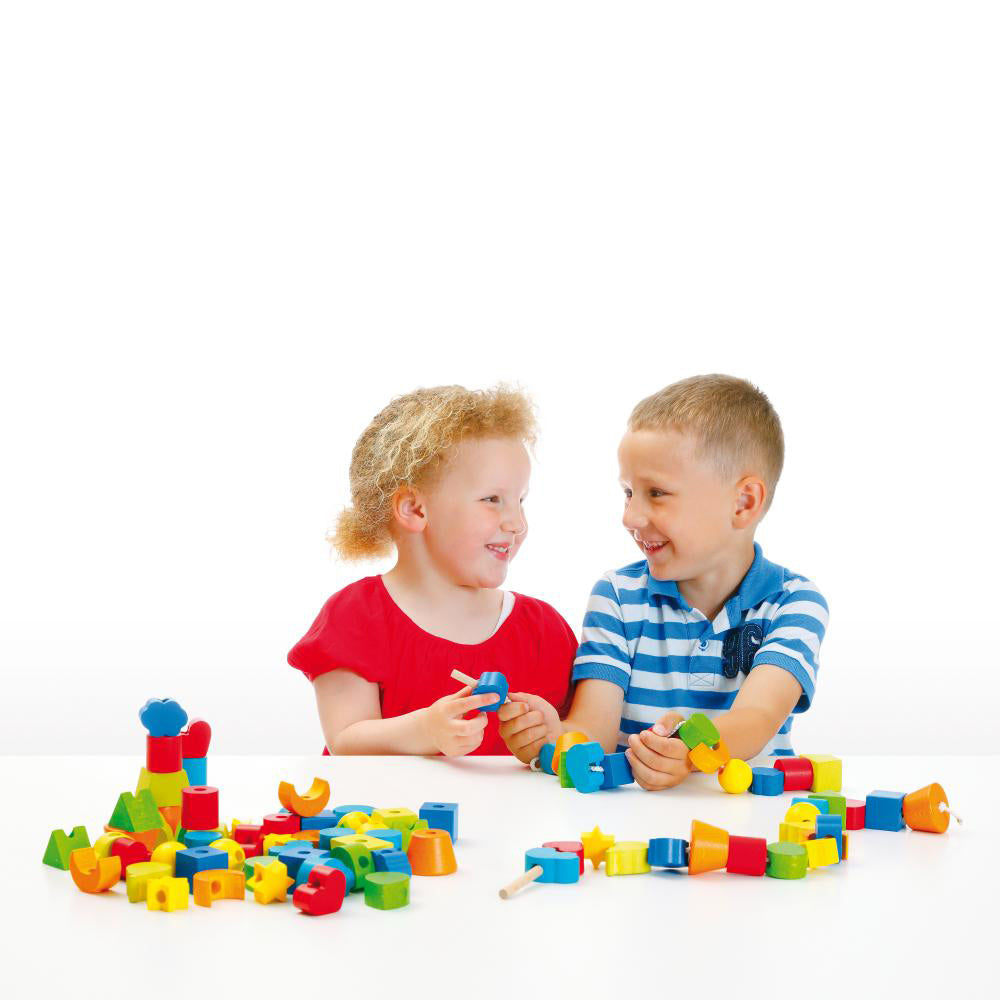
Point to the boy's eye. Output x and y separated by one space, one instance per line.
492 499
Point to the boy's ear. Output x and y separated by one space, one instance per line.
408 509
750 496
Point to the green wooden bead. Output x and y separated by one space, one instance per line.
387 890
565 781
838 804
698 729
265 859
421 824
358 858
135 813
61 844
786 860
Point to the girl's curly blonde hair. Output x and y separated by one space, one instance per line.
408 443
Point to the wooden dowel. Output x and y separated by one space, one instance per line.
521 881
464 678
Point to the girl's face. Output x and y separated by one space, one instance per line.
475 511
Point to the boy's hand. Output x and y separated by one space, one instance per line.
445 728
659 761
526 723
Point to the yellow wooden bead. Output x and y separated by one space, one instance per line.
356 820
167 894
736 776
802 812
166 854
276 840
595 845
237 853
139 875
795 833
627 857
827 772
821 852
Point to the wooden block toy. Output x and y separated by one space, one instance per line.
198 859
795 832
736 776
339 812
389 860
372 843
308 803
320 821
150 839
784 860
431 853
565 781
583 766
102 846
317 857
767 781
167 894
326 837
567 847
250 865
163 754
281 823
747 856
706 759
927 809
697 729
309 836
358 859
617 771
820 853
270 883
198 838
627 857
595 845
833 827
387 890
200 807
421 824
563 743
395 819
354 820
827 772
293 855
195 739
544 864
237 853
836 802
708 848
61 844
91 873
844 851
197 769
855 810
819 804
167 854
798 772
138 876
323 893
130 852
884 811
492 682
803 812
246 833
667 852
166 789
281 844
395 837
545 756
212 885
162 717
136 812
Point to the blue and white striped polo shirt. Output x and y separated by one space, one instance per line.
640 633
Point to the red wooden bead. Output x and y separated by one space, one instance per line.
281 823
323 893
130 851
855 815
568 847
163 754
246 833
195 739
798 773
199 807
747 855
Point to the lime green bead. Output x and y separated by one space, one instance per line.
358 858
786 860
698 729
387 890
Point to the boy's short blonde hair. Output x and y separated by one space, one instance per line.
734 424
408 444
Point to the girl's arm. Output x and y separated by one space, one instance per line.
351 718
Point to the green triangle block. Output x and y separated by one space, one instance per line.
135 813
61 845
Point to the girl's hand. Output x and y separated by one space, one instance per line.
445 728
658 761
526 723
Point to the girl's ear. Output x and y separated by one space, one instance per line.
408 509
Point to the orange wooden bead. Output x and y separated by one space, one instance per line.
431 853
708 848
93 874
309 803
565 741
921 809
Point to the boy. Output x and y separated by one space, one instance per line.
702 622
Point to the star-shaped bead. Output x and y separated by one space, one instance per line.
595 844
270 883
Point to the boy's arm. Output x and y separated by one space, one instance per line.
764 701
596 712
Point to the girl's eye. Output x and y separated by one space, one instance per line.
628 494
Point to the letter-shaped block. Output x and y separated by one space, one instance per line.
786 860
212 885
736 776
491 682
708 848
627 857
580 761
138 877
827 772
668 852
439 816
767 781
308 803
61 845
93 874
617 771
167 894
387 890
884 811
595 845
323 893
431 853
698 729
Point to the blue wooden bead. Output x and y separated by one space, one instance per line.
545 756
579 759
884 811
307 864
189 862
318 822
831 826
441 816
395 837
331 833
492 682
667 852
292 854
346 869
767 781
617 770
389 860
196 769
198 838
557 866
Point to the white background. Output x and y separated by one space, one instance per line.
229 234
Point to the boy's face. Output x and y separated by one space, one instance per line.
475 515
677 507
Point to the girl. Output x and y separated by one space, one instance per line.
440 475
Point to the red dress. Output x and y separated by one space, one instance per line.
362 629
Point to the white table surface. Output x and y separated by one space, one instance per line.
909 913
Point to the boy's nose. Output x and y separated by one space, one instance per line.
634 518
